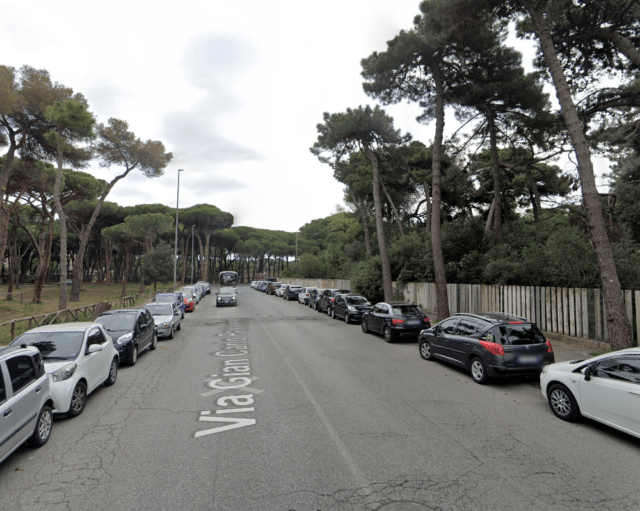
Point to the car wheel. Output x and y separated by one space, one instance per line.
425 350
365 326
42 432
346 317
78 399
562 402
133 358
478 371
113 373
388 334
154 342
171 334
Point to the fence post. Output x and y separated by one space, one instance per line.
13 330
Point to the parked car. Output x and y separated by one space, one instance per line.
195 291
291 292
166 317
78 358
189 300
314 297
263 286
325 302
227 295
303 296
489 345
176 298
133 330
279 290
395 319
25 400
272 287
206 285
350 307
605 388
253 284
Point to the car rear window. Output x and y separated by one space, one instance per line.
406 310
356 300
518 335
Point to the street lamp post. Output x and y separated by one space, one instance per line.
192 239
175 254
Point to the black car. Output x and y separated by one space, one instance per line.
314 295
132 330
350 307
395 319
291 292
325 301
489 345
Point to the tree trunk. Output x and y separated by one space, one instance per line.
393 208
626 47
427 221
442 299
497 178
57 208
617 323
365 222
535 198
382 244
487 225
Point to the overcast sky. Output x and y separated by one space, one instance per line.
234 90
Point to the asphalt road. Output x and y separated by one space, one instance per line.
273 406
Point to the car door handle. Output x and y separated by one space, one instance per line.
38 389
634 393
7 413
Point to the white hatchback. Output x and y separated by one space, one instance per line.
78 358
605 388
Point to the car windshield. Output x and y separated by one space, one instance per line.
295 288
53 345
165 299
186 293
516 335
356 300
227 291
160 309
120 321
406 310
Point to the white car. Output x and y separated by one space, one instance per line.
78 358
166 316
605 388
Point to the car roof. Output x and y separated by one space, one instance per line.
80 326
6 351
394 304
495 317
121 311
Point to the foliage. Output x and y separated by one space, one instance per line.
157 266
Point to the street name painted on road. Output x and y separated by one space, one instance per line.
235 375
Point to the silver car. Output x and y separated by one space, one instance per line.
26 405
166 317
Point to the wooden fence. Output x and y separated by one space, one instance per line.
565 311
64 316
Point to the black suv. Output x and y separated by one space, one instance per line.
325 301
350 307
132 330
489 345
395 319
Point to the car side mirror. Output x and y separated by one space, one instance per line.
587 373
94 348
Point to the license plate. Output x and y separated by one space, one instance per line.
529 359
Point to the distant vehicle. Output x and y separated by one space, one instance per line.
291 292
189 299
207 286
166 317
325 302
228 279
78 358
176 298
25 400
227 296
350 307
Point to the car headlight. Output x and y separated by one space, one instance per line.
124 338
351 308
545 368
165 325
64 373
233 298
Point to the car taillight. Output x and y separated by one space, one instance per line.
515 322
397 321
492 347
425 319
549 347
333 300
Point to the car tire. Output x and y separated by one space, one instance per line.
154 342
113 373
171 334
562 402
133 357
78 400
425 350
478 371
42 431
347 319
388 334
365 326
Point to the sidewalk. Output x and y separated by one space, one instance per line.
571 348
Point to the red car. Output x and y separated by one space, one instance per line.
189 302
